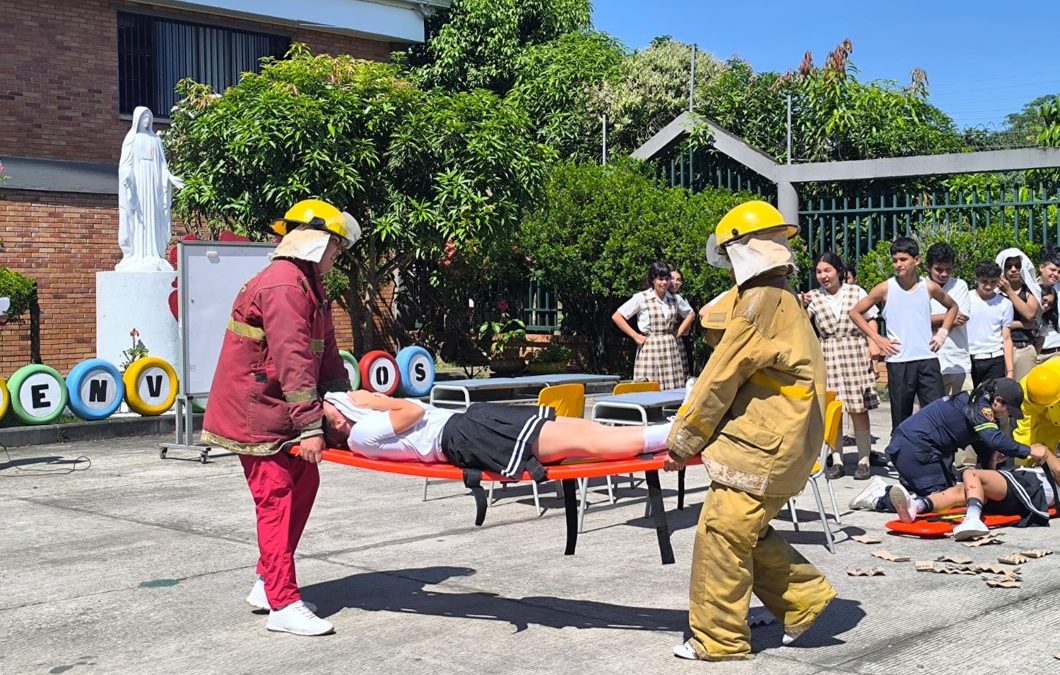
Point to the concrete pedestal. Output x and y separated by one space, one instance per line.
140 300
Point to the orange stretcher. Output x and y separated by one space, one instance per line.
941 524
567 474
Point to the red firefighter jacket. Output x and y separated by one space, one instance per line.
277 359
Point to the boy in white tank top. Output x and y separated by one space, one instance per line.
909 348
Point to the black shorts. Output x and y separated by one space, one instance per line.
1025 498
494 436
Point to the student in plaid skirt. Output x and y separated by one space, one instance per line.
660 319
847 354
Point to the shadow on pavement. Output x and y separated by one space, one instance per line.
405 592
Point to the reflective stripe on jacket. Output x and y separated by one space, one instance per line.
277 358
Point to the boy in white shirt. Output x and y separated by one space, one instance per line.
912 366
954 362
989 327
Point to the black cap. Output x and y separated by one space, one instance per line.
1011 393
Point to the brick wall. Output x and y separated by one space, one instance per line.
59 100
60 74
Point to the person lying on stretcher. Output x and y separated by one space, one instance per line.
1027 493
506 439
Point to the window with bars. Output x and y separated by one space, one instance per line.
155 53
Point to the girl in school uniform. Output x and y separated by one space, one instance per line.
847 354
660 319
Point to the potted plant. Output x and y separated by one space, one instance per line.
501 339
551 359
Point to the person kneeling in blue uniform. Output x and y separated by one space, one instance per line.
923 446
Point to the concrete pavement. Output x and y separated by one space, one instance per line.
139 565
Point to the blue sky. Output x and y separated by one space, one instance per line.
983 59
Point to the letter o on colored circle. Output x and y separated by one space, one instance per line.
5 398
151 386
38 394
353 371
95 388
379 373
416 367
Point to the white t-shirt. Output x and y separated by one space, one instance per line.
953 357
635 305
1050 336
985 321
835 303
374 437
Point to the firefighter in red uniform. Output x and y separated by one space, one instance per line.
277 360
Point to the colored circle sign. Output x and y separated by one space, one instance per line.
416 367
95 389
38 394
379 373
150 386
5 398
353 371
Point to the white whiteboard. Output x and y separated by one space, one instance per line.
210 274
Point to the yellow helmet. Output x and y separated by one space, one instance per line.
321 216
748 218
1042 385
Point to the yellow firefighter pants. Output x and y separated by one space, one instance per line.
736 553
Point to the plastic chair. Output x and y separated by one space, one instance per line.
568 400
635 387
833 418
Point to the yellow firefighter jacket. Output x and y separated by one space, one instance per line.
756 412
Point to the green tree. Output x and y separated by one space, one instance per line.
597 230
476 43
650 89
555 82
418 169
834 116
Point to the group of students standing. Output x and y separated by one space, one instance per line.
941 337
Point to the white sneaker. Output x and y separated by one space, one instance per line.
904 504
970 529
296 618
258 600
685 650
866 499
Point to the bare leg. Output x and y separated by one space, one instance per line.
576 438
981 484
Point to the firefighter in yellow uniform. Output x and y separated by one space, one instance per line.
756 414
1041 408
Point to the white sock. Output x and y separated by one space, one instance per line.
974 509
837 458
655 436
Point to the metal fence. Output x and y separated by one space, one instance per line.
698 169
851 226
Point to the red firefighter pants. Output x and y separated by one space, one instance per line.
284 488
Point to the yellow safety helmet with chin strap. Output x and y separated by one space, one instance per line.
319 215
747 218
1042 385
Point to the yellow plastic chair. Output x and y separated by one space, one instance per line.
635 387
568 400
833 418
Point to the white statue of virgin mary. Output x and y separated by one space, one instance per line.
145 195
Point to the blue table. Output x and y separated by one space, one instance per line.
460 393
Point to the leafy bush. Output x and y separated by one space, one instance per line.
972 245
553 353
596 232
20 289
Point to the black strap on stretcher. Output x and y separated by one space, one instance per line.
473 482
